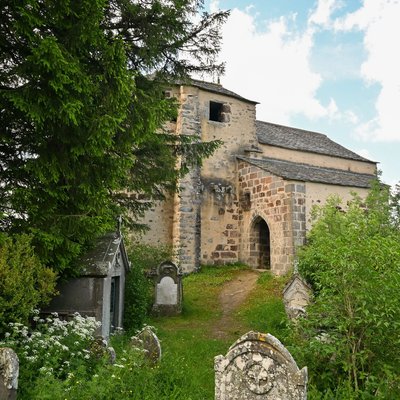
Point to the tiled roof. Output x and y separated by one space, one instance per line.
309 173
298 139
217 88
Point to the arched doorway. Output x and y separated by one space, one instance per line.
260 244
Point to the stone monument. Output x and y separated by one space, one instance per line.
296 296
148 341
259 367
168 289
9 370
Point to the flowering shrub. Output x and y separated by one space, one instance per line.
55 348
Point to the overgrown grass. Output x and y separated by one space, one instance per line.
188 341
263 310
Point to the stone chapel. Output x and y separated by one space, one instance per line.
251 200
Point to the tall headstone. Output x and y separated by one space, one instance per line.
168 289
296 296
9 370
259 367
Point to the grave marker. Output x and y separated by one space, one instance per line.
259 367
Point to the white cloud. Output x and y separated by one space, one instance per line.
276 60
364 153
273 65
379 19
214 6
322 14
332 109
351 117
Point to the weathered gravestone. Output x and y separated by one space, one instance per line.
296 296
147 341
168 289
9 370
259 367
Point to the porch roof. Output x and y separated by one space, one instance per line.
309 173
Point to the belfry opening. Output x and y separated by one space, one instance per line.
260 244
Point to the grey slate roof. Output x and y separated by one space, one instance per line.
217 88
100 258
298 139
309 173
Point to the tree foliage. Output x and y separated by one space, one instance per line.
81 120
25 283
352 259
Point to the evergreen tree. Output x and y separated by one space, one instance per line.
80 118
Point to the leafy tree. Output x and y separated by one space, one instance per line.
25 283
81 120
350 337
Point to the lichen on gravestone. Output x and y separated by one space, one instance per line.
147 341
259 367
9 371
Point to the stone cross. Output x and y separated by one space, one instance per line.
259 367
9 370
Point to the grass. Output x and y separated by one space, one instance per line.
189 345
263 311
187 341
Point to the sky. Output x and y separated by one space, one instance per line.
329 66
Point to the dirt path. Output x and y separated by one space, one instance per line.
232 295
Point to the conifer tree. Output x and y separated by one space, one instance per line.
82 110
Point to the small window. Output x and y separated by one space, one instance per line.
246 201
167 94
216 111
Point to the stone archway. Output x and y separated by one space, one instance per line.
260 244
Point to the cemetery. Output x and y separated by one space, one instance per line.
257 261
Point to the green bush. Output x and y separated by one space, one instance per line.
54 351
350 338
138 288
25 283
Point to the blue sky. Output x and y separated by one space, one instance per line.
331 66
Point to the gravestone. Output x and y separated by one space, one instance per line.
147 341
100 348
296 296
9 370
168 289
259 367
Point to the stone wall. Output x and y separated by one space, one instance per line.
187 204
220 212
317 194
281 204
229 210
220 223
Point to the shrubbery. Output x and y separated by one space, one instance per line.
63 360
24 282
350 338
138 288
